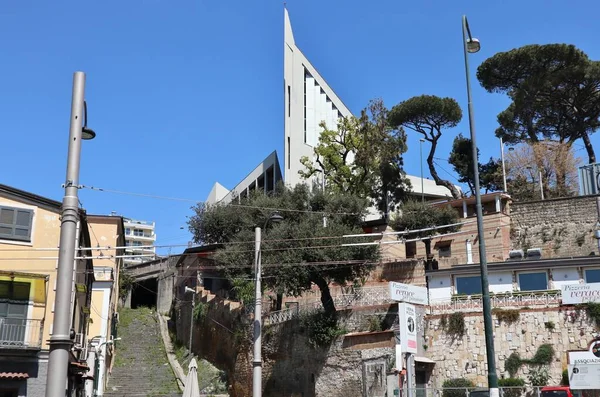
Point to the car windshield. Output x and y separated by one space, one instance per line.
554 393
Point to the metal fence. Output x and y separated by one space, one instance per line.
20 333
521 300
524 391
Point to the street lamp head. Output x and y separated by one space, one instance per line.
421 140
86 133
275 217
511 149
473 45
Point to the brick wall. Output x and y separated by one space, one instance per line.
560 227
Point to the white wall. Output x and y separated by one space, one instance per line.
500 282
440 288
564 276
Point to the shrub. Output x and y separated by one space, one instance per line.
543 355
593 312
200 311
507 316
539 376
515 386
549 325
564 380
513 364
456 324
321 328
452 387
443 321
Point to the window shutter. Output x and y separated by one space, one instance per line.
15 223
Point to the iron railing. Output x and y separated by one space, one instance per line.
471 303
367 296
20 333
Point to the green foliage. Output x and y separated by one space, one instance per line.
461 158
443 321
456 387
200 311
550 325
375 171
428 115
564 379
416 215
512 364
515 386
126 283
375 323
543 356
553 89
321 328
507 316
593 312
539 376
288 243
243 290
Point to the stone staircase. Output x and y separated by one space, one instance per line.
141 367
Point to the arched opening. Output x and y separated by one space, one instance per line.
144 293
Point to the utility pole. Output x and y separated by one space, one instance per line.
257 359
541 186
60 340
193 291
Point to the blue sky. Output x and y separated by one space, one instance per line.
185 95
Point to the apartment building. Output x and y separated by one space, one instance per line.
140 238
29 239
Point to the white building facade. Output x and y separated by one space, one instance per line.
140 239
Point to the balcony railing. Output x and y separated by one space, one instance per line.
474 303
17 333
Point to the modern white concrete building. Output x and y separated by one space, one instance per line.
139 234
264 178
309 100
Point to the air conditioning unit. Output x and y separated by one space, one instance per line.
83 354
79 341
515 255
534 253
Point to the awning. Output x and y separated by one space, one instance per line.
424 360
14 375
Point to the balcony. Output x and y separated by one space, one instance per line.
515 300
17 333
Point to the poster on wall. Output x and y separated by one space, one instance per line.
408 327
574 294
584 368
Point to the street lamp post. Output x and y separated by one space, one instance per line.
257 359
60 341
471 45
421 163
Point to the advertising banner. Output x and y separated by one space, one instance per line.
408 293
574 294
408 327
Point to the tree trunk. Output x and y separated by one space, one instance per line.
428 256
439 181
589 148
279 302
326 299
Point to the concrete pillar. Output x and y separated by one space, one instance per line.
464 208
498 204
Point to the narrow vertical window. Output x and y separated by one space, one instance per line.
289 100
288 152
305 73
